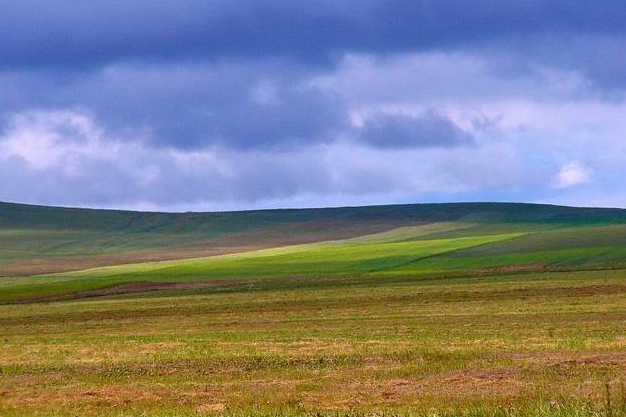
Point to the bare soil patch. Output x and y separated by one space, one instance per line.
146 286
573 359
530 267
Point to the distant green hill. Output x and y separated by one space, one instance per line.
40 239
26 216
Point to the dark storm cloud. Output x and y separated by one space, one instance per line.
68 33
234 107
189 106
429 129
600 58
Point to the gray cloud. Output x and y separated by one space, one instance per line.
94 169
191 106
428 129
113 30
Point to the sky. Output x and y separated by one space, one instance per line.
181 105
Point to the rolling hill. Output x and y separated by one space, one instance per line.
383 240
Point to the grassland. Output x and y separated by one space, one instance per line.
36 239
469 310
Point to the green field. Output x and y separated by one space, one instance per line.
474 309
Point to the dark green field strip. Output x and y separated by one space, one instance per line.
579 238
603 246
594 258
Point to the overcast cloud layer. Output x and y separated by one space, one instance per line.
187 105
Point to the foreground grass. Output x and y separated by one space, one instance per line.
522 344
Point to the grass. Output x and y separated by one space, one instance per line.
506 317
344 257
484 343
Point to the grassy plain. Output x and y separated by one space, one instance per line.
509 315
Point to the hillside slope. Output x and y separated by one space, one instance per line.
167 250
39 239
